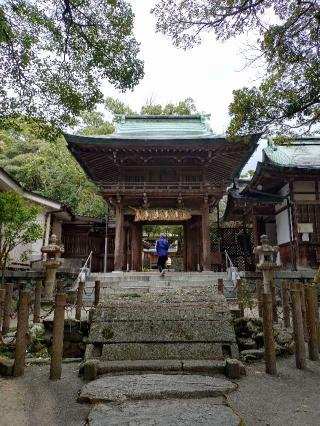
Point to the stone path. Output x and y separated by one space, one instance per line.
159 399
191 412
154 386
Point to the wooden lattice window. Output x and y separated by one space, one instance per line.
310 213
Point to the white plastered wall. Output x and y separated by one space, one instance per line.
282 219
32 250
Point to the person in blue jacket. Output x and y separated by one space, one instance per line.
162 247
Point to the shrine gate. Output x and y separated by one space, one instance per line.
162 170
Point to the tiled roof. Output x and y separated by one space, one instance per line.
300 153
162 126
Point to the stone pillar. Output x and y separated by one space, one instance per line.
136 247
51 272
119 240
206 264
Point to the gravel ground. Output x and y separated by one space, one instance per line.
292 398
34 400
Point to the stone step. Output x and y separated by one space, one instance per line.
158 365
155 281
153 294
161 331
190 412
155 273
161 350
181 324
161 311
154 386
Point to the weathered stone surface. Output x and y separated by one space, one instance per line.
163 331
233 368
139 365
153 310
154 386
246 343
162 365
90 369
243 370
6 366
212 366
180 325
136 351
163 413
252 354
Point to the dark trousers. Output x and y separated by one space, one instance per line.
162 262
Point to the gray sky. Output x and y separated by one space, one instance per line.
208 73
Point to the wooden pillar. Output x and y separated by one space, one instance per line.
285 303
127 247
186 247
259 291
37 302
274 301
300 350
206 264
220 285
240 296
57 337
312 324
136 246
245 243
191 245
119 240
97 287
303 309
79 300
7 308
255 229
270 353
22 333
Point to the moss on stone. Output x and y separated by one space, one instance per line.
107 333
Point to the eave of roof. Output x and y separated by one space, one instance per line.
256 197
301 153
32 196
249 197
115 141
249 143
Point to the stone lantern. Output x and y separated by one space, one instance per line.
51 264
267 261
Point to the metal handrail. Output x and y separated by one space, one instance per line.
84 272
229 264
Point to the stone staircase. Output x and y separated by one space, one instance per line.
150 282
145 317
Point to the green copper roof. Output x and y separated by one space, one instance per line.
162 127
300 153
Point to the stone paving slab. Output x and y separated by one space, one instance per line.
179 295
153 350
161 331
161 365
154 386
136 311
163 413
